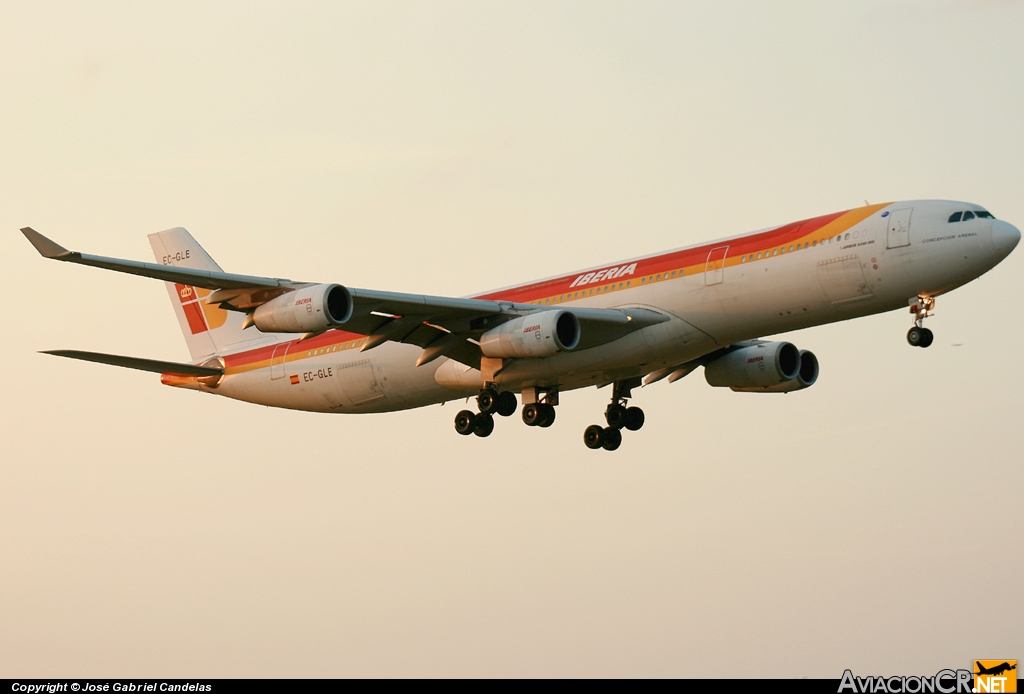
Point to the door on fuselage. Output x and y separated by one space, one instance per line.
277 360
899 228
714 271
358 383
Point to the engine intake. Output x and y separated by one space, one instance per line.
310 309
540 334
755 368
805 379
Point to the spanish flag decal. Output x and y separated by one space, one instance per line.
295 379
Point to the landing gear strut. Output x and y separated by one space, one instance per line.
490 402
920 336
618 416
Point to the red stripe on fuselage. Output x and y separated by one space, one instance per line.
687 257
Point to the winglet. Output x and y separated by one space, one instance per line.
46 247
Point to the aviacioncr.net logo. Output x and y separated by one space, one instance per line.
943 682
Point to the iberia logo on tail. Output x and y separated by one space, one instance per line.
200 315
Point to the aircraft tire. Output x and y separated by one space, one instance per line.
612 439
531 414
593 436
465 422
915 336
547 415
507 404
484 425
634 418
615 416
927 338
487 401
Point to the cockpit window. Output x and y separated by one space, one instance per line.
968 215
955 217
984 215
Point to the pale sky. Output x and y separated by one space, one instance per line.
447 148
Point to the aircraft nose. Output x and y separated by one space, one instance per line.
1005 236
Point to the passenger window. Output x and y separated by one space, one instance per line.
791 249
847 237
815 243
968 215
775 252
743 259
758 256
643 280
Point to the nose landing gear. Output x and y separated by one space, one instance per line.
490 402
618 416
920 336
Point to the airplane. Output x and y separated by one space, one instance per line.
995 670
326 347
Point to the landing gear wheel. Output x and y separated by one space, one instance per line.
487 401
484 425
612 439
926 340
915 336
615 415
547 415
634 418
465 422
506 404
532 414
593 436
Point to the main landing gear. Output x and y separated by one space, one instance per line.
541 413
920 336
489 402
618 416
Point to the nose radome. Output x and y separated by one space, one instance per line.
1005 236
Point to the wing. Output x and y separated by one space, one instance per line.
152 365
441 326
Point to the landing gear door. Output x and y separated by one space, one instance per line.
899 228
714 271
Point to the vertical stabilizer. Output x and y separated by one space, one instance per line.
208 329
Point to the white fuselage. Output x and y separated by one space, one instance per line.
833 268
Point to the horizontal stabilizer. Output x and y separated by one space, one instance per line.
154 365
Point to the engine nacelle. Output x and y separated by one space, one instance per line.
759 366
306 310
539 334
804 379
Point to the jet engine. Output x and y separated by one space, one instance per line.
310 309
756 367
805 378
539 334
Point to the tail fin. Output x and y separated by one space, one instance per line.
208 329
